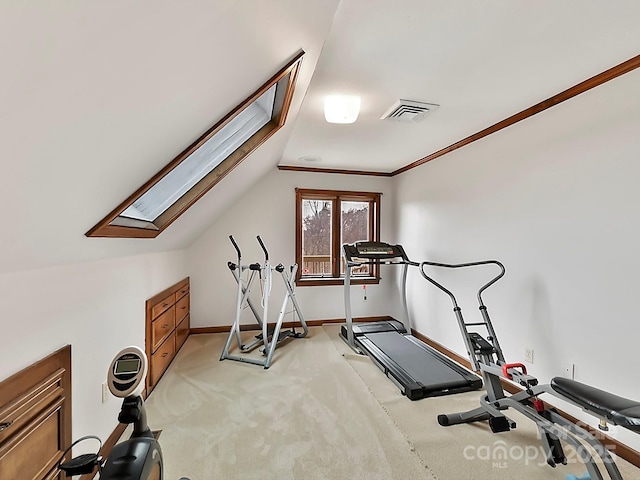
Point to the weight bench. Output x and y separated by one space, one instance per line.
612 408
552 426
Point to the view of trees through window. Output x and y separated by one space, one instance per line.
317 238
355 221
355 227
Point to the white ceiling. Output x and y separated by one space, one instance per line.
480 61
97 97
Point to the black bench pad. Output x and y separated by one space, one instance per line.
617 410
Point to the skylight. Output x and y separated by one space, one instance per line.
150 205
203 164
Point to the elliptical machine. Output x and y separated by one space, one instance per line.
271 336
139 457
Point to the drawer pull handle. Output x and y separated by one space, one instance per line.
165 304
5 425
184 308
165 325
165 354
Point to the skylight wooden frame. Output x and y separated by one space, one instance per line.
288 76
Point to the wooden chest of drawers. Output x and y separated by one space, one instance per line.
167 328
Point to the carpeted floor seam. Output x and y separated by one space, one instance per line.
386 411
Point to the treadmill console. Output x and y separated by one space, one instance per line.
370 252
374 250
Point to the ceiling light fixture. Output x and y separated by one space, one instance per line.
341 108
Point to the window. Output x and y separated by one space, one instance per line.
325 219
160 201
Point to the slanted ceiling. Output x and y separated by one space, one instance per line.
98 96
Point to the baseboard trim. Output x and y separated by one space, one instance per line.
310 323
620 449
202 330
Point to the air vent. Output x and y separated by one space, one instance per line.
408 111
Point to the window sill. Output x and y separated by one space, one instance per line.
315 282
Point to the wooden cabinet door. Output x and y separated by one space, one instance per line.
35 414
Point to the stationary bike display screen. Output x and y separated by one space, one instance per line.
127 372
127 366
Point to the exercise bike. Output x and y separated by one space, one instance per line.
486 356
139 457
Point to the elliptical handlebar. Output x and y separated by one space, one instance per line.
463 265
235 245
264 249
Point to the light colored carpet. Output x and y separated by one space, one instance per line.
307 417
469 451
322 412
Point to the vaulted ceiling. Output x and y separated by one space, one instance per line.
96 97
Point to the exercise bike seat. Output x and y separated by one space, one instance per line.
617 410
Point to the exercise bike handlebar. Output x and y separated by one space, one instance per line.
463 265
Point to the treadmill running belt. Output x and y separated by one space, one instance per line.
420 370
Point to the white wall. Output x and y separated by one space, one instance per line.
97 307
555 198
268 210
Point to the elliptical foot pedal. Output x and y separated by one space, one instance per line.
499 424
284 334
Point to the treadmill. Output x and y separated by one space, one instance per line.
417 369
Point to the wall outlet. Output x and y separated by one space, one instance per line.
528 355
105 392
